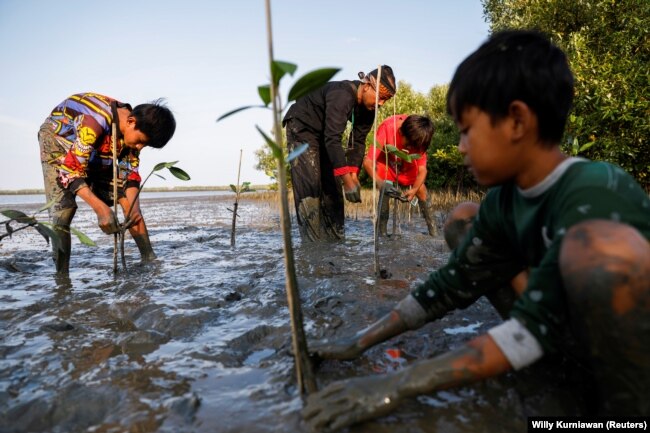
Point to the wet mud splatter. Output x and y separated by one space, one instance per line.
199 340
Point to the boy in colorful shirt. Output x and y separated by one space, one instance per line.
411 134
77 158
569 235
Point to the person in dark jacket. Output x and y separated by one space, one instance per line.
320 119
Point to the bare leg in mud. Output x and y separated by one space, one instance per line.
138 228
605 267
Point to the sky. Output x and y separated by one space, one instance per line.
207 57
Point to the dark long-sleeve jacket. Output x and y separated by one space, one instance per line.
326 112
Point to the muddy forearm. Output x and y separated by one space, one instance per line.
419 180
406 315
478 359
92 200
388 326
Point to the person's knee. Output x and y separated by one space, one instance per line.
602 254
63 217
459 222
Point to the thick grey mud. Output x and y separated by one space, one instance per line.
199 340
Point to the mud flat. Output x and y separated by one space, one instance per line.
198 341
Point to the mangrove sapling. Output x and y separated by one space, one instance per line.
408 158
244 187
42 227
128 222
269 95
387 192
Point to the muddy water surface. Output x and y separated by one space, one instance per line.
199 340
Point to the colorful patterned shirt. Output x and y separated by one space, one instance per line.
523 229
82 124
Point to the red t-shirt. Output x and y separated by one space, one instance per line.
393 168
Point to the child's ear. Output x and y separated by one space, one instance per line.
522 117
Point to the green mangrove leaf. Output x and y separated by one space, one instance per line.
159 175
311 81
234 188
162 165
279 69
586 146
47 205
83 238
19 216
8 228
47 232
179 173
295 153
265 93
408 157
275 149
237 110
13 214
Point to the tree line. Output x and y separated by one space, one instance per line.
608 47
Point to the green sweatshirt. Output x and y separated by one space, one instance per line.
523 229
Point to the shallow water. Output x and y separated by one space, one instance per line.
199 340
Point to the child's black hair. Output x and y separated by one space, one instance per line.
516 65
418 130
156 121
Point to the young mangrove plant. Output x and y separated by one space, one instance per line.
238 189
128 222
42 227
270 95
387 192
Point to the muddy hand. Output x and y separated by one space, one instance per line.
127 224
344 348
391 191
354 194
351 401
107 221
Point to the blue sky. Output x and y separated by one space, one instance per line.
206 58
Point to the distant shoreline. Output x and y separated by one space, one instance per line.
153 189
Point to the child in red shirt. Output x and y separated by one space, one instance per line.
411 134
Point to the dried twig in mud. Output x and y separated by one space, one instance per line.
236 204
